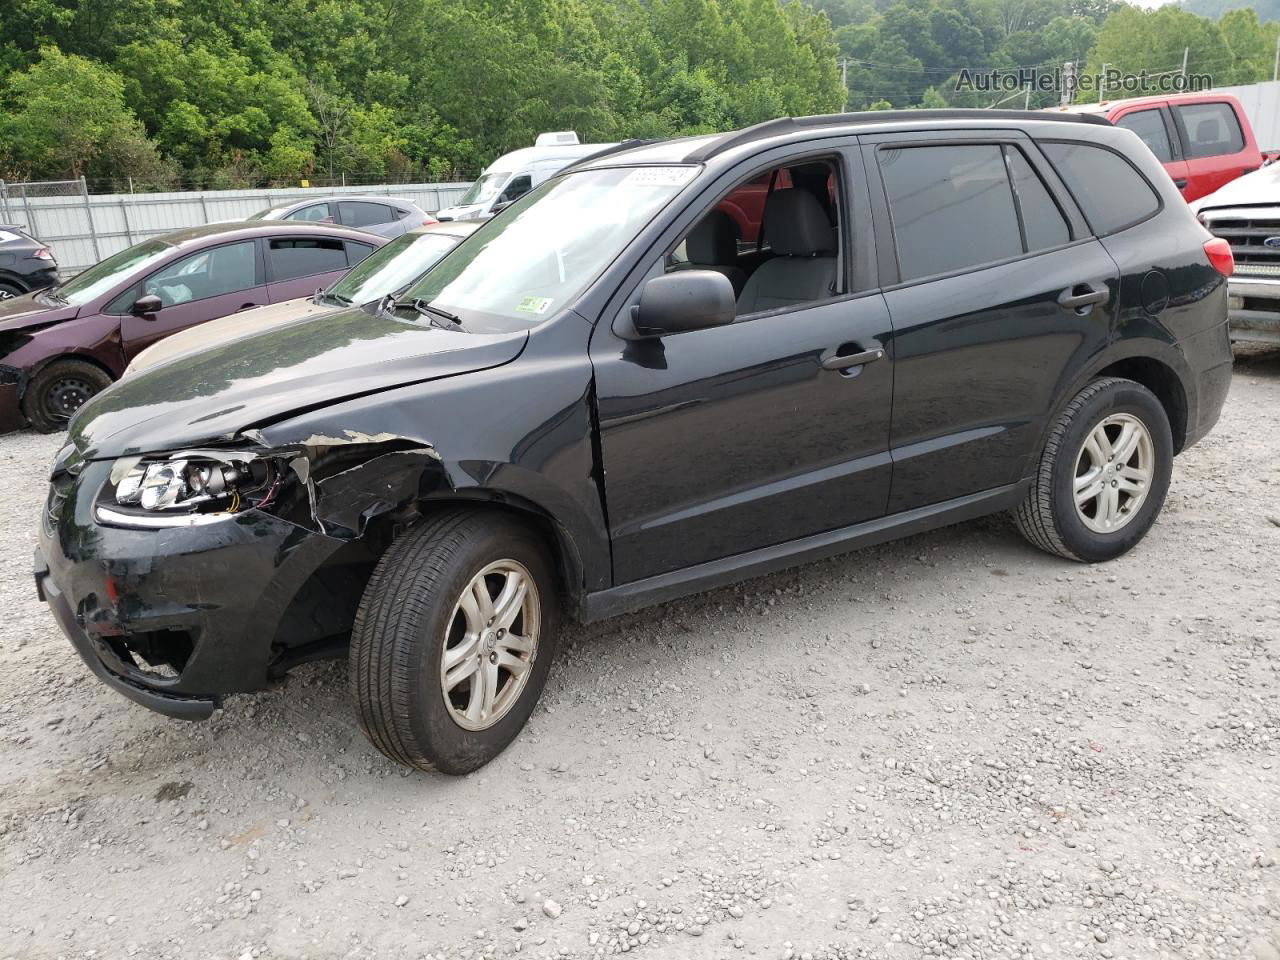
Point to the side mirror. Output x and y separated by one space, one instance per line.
500 206
146 305
683 301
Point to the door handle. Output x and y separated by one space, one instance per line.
1180 182
1082 296
834 361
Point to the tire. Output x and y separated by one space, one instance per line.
411 614
9 290
1099 529
59 390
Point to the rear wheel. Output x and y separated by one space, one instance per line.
59 390
453 641
9 290
1103 475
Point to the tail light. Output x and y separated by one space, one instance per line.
1219 253
43 253
428 220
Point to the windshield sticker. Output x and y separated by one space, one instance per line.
534 304
659 176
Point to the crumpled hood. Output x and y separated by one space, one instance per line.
17 313
214 393
226 329
1258 189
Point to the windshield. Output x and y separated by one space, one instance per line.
392 267
548 246
111 272
485 188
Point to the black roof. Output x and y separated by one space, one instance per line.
784 125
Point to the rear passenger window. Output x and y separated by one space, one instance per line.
1042 221
952 207
357 251
1149 126
1112 194
364 214
1210 129
304 256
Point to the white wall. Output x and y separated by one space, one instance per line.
81 230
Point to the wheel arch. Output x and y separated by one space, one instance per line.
1156 364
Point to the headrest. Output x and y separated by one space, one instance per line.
1207 130
795 224
713 241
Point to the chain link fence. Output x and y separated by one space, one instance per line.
82 228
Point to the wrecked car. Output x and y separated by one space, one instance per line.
385 272
60 346
595 403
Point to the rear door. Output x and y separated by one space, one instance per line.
997 294
193 289
1216 146
298 265
1155 127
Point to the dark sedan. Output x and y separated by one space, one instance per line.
61 346
26 264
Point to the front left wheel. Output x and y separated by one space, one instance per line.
453 641
59 390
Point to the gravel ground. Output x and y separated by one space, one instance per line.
948 746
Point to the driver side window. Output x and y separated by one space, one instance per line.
208 273
516 189
775 236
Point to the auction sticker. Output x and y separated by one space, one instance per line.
534 304
659 176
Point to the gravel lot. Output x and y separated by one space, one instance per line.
948 746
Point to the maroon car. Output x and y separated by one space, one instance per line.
62 345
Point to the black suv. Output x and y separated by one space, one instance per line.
606 398
25 264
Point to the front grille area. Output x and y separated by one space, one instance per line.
1248 238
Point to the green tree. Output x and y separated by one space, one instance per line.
65 116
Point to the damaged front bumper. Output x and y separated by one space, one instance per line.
174 618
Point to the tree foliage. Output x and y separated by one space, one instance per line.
226 92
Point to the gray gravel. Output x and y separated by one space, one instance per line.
950 746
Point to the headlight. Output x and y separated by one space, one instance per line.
187 488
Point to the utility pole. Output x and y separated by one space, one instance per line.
1067 94
1275 70
844 79
1185 52
1026 103
1102 83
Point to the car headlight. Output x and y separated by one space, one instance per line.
185 489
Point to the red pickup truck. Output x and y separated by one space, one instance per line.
1203 139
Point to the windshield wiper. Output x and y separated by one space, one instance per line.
426 308
52 296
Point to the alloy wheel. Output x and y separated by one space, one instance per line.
490 645
1113 473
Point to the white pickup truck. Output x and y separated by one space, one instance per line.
1246 213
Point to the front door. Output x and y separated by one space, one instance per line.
719 441
1001 292
199 287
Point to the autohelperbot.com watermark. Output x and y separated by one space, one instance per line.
1069 82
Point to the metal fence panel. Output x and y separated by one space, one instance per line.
82 228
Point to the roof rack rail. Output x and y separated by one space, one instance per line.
789 124
616 148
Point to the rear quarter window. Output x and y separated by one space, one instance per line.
1111 192
1209 129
